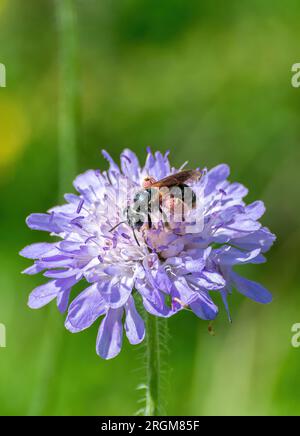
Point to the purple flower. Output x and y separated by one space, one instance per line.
169 265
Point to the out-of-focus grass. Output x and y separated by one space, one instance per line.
209 81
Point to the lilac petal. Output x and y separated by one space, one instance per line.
262 238
209 280
194 265
239 228
162 166
251 289
89 186
150 287
213 277
259 259
163 281
55 262
63 300
72 198
255 211
42 295
182 291
116 291
226 216
35 251
236 191
158 166
150 162
224 293
85 309
49 223
160 310
69 246
215 176
34 269
130 165
150 294
204 307
113 166
110 335
60 273
156 274
65 284
86 180
134 324
228 255
67 209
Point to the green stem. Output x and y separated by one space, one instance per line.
153 406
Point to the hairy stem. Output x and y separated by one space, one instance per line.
153 396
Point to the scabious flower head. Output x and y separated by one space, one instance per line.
170 265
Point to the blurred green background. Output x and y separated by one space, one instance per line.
209 80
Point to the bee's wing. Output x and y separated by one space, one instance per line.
177 179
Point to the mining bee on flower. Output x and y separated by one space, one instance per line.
171 190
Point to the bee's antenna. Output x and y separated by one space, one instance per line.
114 228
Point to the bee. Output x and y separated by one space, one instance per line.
152 196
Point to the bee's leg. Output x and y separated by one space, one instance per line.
165 218
149 221
136 239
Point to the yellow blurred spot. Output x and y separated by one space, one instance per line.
3 4
14 131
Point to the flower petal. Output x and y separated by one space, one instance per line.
36 251
134 324
52 223
261 238
43 294
204 307
228 255
110 335
85 309
157 166
215 176
209 280
251 289
63 300
255 211
130 165
116 291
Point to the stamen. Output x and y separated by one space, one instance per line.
127 158
93 190
80 205
125 236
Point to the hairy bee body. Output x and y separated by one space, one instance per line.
149 201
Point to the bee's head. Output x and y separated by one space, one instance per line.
148 181
134 218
